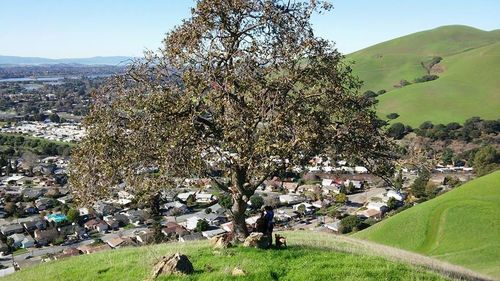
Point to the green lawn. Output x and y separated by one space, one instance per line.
468 85
461 227
310 256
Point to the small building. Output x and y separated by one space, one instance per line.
45 237
212 233
191 237
290 187
28 242
290 199
11 229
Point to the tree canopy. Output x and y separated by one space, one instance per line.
243 87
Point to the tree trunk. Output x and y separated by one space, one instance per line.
238 209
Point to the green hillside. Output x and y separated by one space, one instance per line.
461 227
468 74
310 256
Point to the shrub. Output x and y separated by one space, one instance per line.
393 115
257 201
201 225
426 78
396 131
349 223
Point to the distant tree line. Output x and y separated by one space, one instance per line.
472 128
16 144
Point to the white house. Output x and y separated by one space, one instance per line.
290 199
379 206
394 194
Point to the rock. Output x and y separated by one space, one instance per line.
257 240
174 264
238 272
221 241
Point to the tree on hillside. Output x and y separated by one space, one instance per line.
242 86
486 160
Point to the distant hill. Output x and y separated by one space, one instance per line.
468 83
461 227
112 60
309 256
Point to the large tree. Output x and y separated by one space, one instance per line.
243 86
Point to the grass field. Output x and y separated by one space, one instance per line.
468 84
310 256
461 227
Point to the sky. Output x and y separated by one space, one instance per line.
87 28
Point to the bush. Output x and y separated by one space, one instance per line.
393 115
381 92
426 78
256 201
396 131
349 223
201 225
486 160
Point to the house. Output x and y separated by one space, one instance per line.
34 224
191 237
14 180
96 224
360 170
173 229
112 223
17 239
205 198
308 188
27 242
71 230
45 237
330 189
290 199
334 226
175 208
29 208
33 193
212 219
308 208
104 208
44 203
355 183
290 187
145 236
183 197
394 194
65 199
212 233
370 213
321 203
379 206
137 217
115 242
11 229
121 219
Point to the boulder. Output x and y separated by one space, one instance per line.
238 272
174 264
221 241
257 240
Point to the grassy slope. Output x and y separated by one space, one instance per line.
471 58
310 256
461 227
